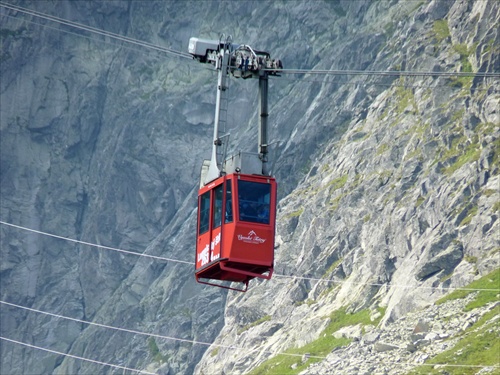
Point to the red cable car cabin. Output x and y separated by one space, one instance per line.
236 223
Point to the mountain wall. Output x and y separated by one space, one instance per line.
388 185
401 204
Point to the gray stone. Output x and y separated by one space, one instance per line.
431 336
421 327
370 337
411 348
445 261
417 336
381 347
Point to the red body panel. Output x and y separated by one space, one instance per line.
236 247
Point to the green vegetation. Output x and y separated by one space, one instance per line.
446 277
466 66
491 285
470 259
470 214
496 206
479 344
324 293
334 203
338 183
325 168
382 148
419 201
253 324
470 153
155 352
458 115
405 97
214 352
318 349
495 158
489 192
307 302
295 213
441 30
417 153
479 347
464 53
417 6
333 267
358 178
462 82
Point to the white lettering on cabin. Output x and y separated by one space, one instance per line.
252 237
203 255
215 242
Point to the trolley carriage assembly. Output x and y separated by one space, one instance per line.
237 196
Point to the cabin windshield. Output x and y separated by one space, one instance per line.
229 203
217 220
204 212
254 201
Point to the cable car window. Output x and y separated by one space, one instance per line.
229 203
204 212
218 206
254 200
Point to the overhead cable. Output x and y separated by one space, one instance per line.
389 285
185 55
194 342
217 345
97 31
96 245
366 84
108 326
391 73
77 357
275 274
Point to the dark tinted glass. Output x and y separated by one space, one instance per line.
229 203
204 212
218 206
254 201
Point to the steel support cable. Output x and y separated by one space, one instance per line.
77 357
97 31
274 274
135 332
194 342
212 69
96 245
366 84
285 354
389 285
283 71
80 35
390 73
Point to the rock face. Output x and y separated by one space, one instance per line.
389 185
397 350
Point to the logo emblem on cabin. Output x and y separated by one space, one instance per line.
203 256
252 237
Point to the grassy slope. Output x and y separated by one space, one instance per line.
480 345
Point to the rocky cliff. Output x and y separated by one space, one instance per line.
389 184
